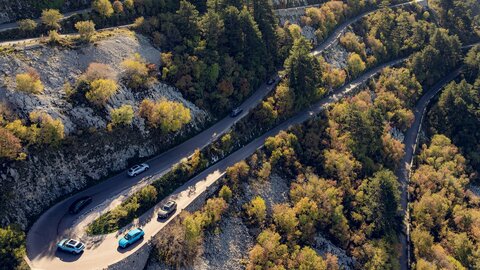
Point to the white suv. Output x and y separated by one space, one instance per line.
137 169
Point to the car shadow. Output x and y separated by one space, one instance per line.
67 257
127 249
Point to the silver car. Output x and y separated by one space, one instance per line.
137 169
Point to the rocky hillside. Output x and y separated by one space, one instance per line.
89 152
12 10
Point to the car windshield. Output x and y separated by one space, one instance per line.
79 245
127 236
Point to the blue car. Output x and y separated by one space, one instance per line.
70 245
131 237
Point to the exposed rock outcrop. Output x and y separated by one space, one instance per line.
89 151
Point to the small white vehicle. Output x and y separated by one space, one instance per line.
70 245
137 169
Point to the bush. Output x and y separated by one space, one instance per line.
135 72
29 82
101 90
122 115
225 193
86 29
27 25
117 7
97 71
167 115
51 18
103 7
10 146
256 210
12 248
51 131
355 65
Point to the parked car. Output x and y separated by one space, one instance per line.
70 245
138 169
235 112
271 81
131 237
167 209
79 204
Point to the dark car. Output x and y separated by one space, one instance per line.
79 204
167 210
235 112
271 81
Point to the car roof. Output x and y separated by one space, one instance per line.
71 242
170 203
134 231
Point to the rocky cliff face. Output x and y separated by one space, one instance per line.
89 152
13 10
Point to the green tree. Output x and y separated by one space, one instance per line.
27 25
286 220
51 131
355 65
86 29
29 82
51 18
135 72
12 247
167 115
268 252
122 115
103 7
101 90
379 198
225 193
256 210
303 71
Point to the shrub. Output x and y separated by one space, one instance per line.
355 64
12 248
117 7
103 7
51 130
256 210
29 82
10 146
86 29
27 25
51 18
101 90
28 134
122 115
213 210
167 115
98 71
135 72
129 4
54 38
225 193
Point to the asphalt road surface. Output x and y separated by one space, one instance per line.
56 224
403 172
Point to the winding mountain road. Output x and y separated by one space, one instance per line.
56 223
403 172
